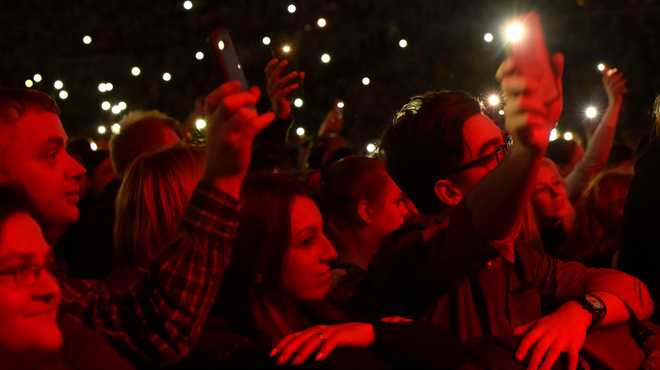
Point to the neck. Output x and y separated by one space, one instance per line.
53 233
280 317
359 247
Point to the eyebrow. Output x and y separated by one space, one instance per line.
312 228
488 145
51 142
18 256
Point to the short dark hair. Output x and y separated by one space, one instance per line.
425 143
15 102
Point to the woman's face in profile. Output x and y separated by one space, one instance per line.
306 268
28 308
549 198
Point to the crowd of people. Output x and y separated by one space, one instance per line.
459 244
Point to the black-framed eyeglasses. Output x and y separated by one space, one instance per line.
27 274
508 141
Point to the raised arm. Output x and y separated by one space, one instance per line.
160 320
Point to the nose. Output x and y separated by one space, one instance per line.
47 288
553 191
74 169
329 253
403 211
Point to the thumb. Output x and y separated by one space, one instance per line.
523 329
262 121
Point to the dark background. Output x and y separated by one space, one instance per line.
446 49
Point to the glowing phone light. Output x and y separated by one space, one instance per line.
601 67
37 78
116 109
591 112
291 8
87 40
199 55
221 45
28 83
108 86
371 148
286 49
135 71
501 112
568 136
366 81
200 123
102 88
167 76
105 105
488 37
266 40
93 146
403 43
121 105
325 58
298 102
514 32
321 22
115 128
101 130
300 131
340 104
494 100
64 94
187 5
58 84
554 134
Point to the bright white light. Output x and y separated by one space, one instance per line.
286 49
121 105
29 83
515 32
488 37
116 109
101 129
105 105
340 104
58 84
87 40
325 58
494 100
601 67
221 45
371 148
501 112
135 71
298 102
591 112
64 94
37 78
300 131
93 146
365 81
291 8
108 86
266 40
321 22
187 5
403 43
568 136
200 123
102 88
199 55
167 76
115 128
554 134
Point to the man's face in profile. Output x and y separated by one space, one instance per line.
34 158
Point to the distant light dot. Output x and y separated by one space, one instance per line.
187 5
116 109
286 49
601 67
167 76
58 84
340 104
135 71
591 112
554 134
29 83
365 81
64 94
200 123
87 40
108 86
221 45
501 112
291 8
199 55
105 105
300 131
37 78
568 136
101 129
325 58
488 37
93 146
321 22
102 88
115 128
266 40
298 102
403 43
371 148
514 32
493 100
121 105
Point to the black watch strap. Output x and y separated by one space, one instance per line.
595 306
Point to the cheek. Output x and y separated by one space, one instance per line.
299 277
541 203
21 333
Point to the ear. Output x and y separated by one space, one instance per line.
364 211
448 192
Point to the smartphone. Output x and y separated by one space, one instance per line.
283 51
225 53
339 107
530 54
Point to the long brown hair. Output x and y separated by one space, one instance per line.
262 242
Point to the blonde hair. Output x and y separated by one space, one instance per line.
152 199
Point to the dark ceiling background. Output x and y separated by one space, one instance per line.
446 49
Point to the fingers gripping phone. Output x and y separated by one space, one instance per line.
284 51
530 54
227 58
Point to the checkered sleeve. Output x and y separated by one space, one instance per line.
161 318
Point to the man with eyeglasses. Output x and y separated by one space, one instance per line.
460 265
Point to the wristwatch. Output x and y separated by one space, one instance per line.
595 306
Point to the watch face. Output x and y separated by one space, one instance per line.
595 303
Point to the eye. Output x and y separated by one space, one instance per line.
52 156
308 241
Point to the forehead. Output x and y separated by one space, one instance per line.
304 213
479 130
545 173
34 128
21 234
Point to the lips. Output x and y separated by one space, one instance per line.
72 197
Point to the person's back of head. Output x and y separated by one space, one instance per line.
141 132
620 156
152 199
426 143
565 154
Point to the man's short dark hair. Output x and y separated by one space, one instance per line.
15 102
425 143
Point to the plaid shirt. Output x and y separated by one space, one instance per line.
162 317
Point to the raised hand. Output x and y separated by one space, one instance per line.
332 124
302 344
277 89
615 85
